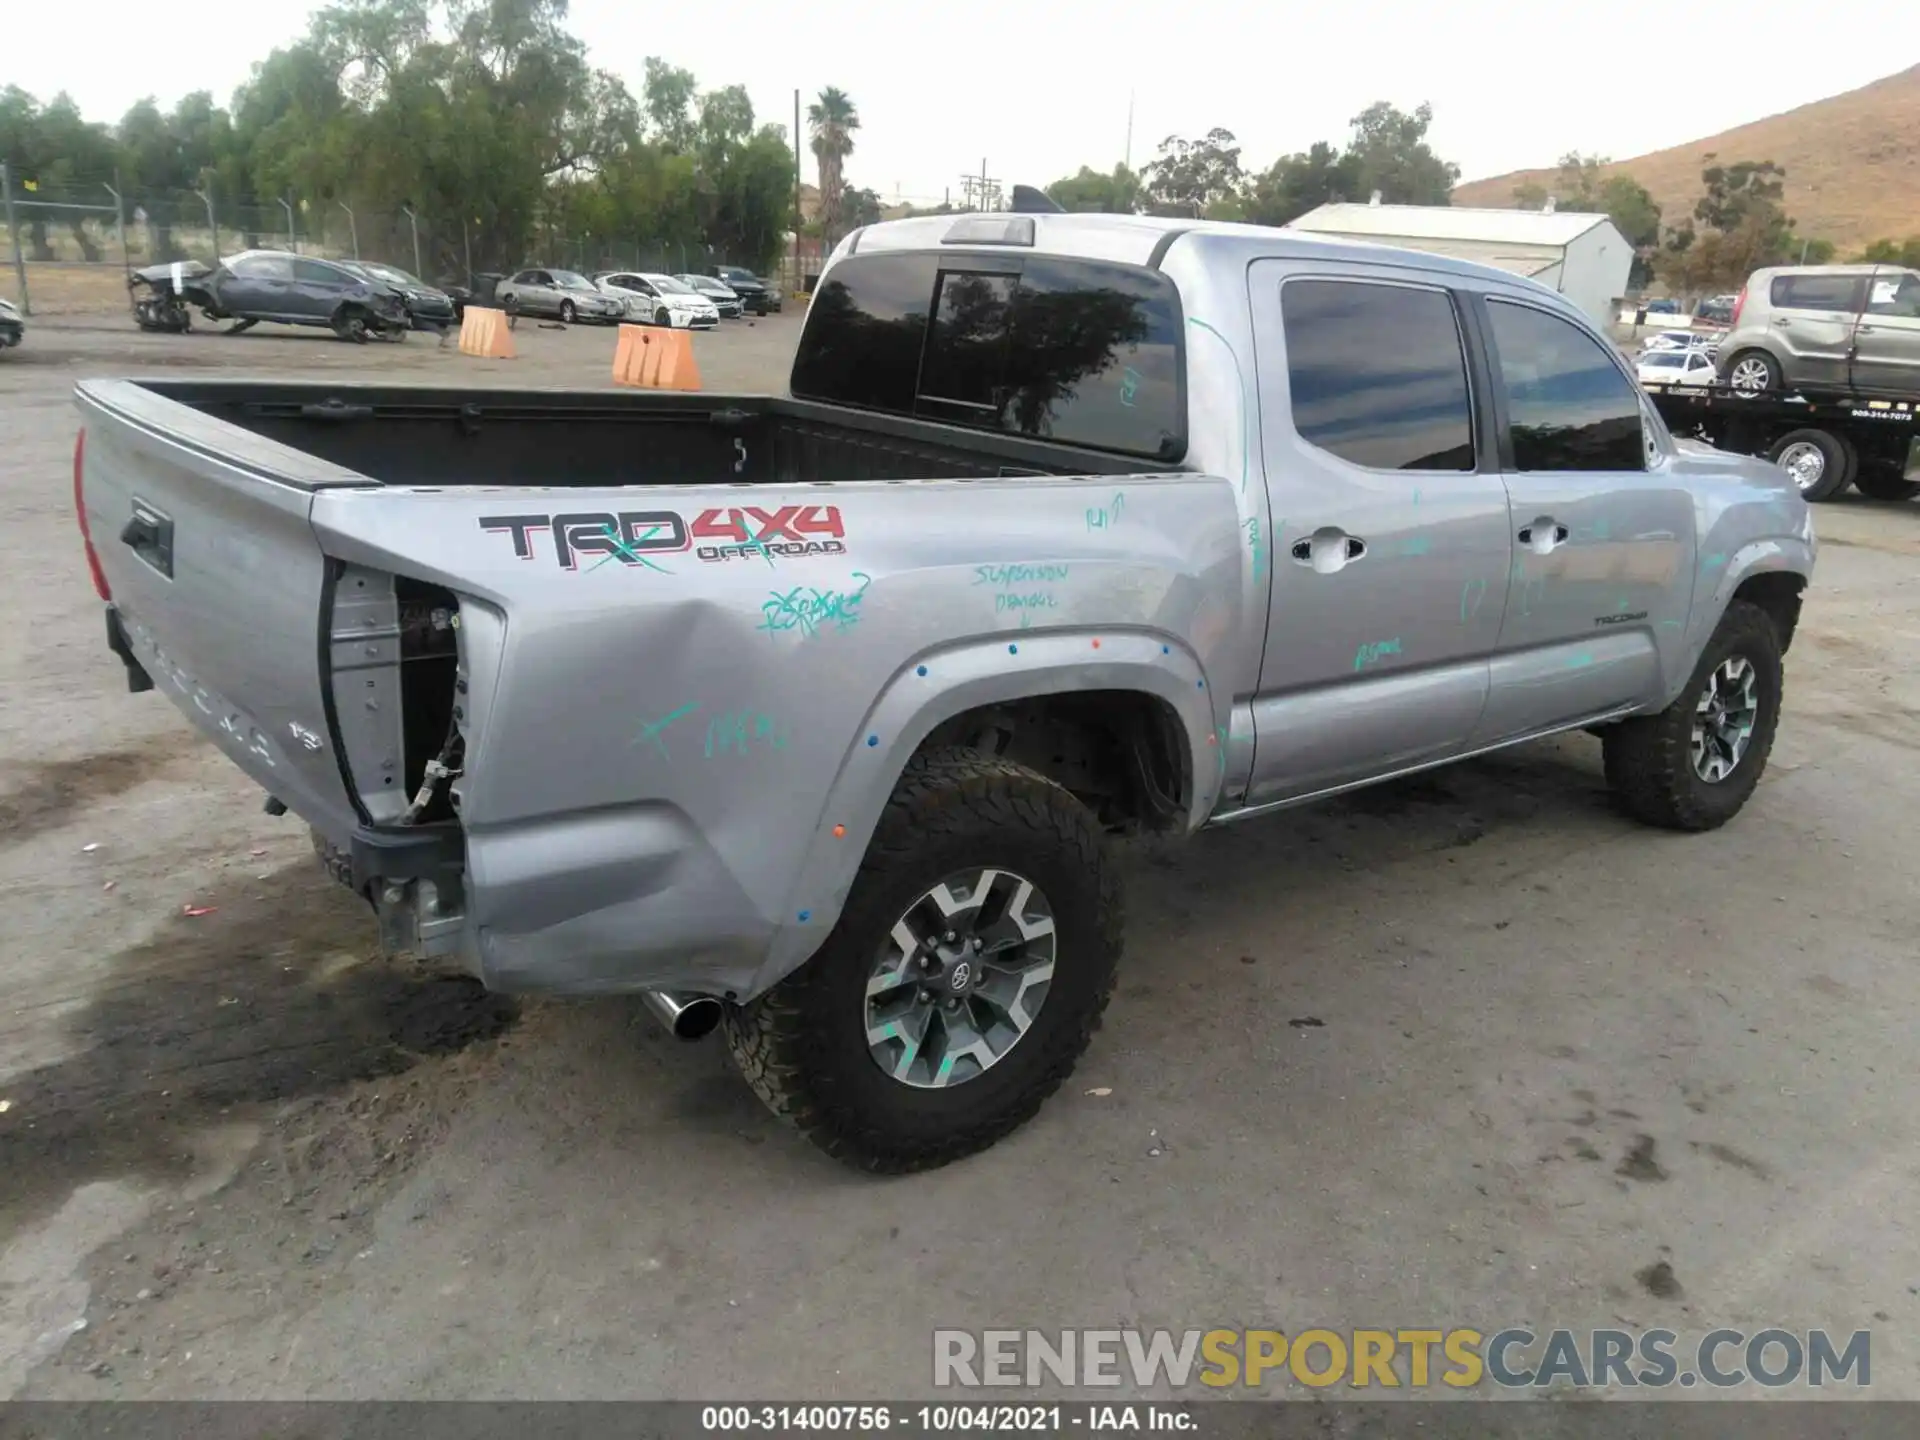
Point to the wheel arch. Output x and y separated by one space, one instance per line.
1145 683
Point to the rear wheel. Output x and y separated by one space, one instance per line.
1883 480
963 981
1819 462
1692 766
1753 372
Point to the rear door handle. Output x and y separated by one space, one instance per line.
149 534
1543 535
1326 551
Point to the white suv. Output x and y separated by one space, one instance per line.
659 300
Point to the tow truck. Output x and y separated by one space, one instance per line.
1826 439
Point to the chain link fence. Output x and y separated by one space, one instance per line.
67 250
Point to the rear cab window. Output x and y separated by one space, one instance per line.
1082 352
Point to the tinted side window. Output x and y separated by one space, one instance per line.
1568 405
864 333
1895 293
1817 292
1377 375
313 273
1096 358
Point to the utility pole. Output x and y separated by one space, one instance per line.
286 204
353 226
799 281
206 198
413 220
1126 162
120 225
13 229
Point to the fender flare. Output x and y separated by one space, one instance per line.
1721 577
936 685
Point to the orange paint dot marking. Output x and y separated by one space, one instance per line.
1096 644
839 831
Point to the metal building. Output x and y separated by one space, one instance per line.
1582 256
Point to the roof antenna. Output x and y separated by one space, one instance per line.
1029 201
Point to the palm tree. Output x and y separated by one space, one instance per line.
831 120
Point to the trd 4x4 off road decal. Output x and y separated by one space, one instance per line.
629 536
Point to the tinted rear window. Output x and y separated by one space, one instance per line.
1814 291
1077 351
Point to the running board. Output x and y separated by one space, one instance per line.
1619 712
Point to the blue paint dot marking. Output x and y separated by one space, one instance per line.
1013 649
805 915
872 740
921 671
1199 684
1166 650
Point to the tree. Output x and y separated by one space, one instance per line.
1739 225
668 93
1893 252
1390 153
1295 184
1192 175
1089 191
831 122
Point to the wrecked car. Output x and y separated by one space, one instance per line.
163 295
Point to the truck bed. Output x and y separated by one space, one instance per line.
594 440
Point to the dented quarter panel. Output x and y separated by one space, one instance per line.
658 754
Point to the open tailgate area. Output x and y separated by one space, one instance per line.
217 586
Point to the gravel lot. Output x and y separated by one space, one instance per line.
1547 1052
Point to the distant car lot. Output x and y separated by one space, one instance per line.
1483 1048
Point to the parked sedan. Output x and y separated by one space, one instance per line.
659 300
723 296
430 309
1674 367
757 295
567 296
13 329
285 289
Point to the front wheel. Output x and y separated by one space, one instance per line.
351 325
566 312
663 317
1692 766
963 981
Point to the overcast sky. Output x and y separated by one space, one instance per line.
1040 87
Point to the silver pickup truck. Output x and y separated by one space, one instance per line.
813 716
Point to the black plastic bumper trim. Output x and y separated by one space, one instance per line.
137 677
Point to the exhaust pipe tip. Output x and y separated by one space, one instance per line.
686 1017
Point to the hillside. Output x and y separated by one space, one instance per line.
1852 163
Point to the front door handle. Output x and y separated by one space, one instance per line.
1328 550
1543 535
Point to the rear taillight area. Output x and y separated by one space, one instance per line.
1739 303
80 513
394 679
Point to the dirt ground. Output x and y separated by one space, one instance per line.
1467 1050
